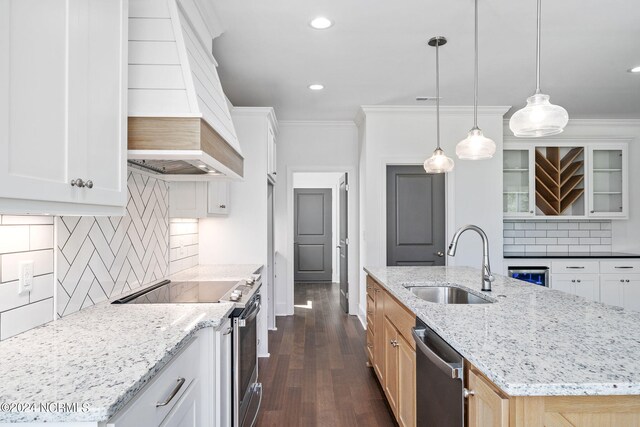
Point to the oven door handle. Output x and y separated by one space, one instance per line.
253 312
452 369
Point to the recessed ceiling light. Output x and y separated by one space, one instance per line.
316 86
321 23
635 69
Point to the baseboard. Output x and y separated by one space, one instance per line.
362 316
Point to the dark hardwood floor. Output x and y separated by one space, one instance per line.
317 373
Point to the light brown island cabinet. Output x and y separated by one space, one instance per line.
487 406
393 356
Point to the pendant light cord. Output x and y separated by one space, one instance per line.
538 46
475 81
438 94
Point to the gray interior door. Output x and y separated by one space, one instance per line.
415 216
312 235
343 245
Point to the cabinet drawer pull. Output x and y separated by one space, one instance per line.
175 391
623 267
575 267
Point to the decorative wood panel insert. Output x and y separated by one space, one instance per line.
182 133
558 179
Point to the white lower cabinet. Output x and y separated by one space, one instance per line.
192 390
198 199
222 385
621 290
188 411
584 285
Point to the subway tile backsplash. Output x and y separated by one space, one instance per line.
183 238
25 238
546 236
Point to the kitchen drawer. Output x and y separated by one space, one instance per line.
620 266
575 267
370 345
371 284
142 410
370 310
401 318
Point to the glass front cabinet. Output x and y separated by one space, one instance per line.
518 176
565 179
608 174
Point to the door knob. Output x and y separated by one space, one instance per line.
440 253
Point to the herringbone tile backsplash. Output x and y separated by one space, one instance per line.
100 257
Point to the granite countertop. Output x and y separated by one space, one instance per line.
102 356
564 255
533 341
222 272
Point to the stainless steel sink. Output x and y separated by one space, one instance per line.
448 295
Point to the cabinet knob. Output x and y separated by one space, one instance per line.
579 281
621 280
223 206
593 211
530 211
468 393
573 280
78 183
627 280
89 184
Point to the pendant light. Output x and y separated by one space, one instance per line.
438 162
476 146
539 117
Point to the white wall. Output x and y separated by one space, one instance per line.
313 147
325 180
625 233
407 135
241 237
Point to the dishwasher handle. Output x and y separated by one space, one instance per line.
452 369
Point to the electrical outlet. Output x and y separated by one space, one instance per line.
25 283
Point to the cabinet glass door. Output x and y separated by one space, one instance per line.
607 182
516 198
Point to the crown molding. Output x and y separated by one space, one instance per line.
321 123
268 112
597 122
449 110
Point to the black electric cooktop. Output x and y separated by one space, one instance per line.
180 292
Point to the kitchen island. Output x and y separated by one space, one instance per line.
551 358
90 366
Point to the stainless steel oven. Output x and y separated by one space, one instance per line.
247 391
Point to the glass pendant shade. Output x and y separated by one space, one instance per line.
438 162
475 146
538 118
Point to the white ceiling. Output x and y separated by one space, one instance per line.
376 53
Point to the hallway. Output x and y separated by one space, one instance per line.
317 373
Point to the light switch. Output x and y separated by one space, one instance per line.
25 283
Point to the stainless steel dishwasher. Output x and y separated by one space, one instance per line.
439 380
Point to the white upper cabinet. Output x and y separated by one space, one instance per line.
63 106
565 179
199 199
608 175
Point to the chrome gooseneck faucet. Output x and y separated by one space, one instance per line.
487 277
